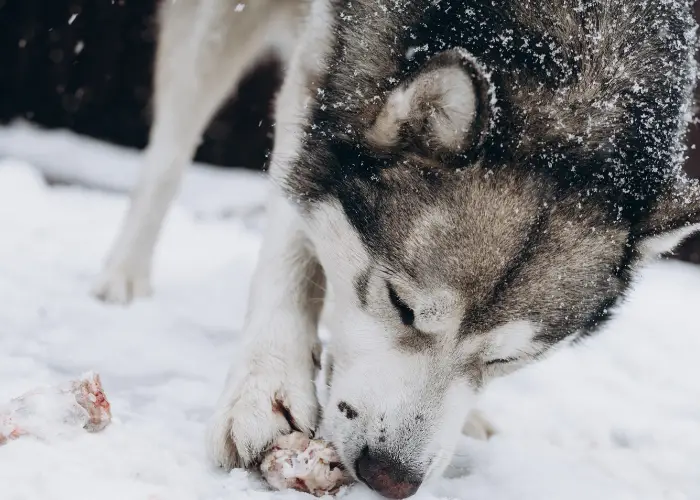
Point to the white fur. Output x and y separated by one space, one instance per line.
458 106
512 340
478 426
438 312
277 365
660 244
305 67
281 325
327 226
200 59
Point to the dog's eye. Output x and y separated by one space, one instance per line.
405 312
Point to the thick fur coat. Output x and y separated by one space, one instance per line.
475 181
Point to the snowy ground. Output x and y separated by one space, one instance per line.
615 419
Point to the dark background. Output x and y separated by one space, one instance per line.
93 75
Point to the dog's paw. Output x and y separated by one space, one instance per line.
257 410
121 285
478 427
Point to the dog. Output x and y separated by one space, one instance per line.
477 182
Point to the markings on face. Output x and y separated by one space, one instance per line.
362 287
433 223
511 340
439 312
347 410
419 318
436 318
339 248
666 242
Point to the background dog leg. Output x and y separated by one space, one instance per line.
478 427
270 391
204 49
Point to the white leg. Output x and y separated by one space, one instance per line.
204 48
270 389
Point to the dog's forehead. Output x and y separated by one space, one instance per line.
484 247
461 232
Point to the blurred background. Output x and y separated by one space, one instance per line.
86 66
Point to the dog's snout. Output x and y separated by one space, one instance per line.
386 476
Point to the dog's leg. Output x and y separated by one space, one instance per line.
270 390
204 48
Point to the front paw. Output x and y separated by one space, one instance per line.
256 410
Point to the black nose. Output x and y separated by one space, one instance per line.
386 476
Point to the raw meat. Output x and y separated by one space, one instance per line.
308 465
49 411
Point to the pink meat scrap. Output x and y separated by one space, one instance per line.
48 410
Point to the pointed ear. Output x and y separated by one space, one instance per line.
674 218
443 108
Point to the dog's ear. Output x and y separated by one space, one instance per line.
674 217
443 108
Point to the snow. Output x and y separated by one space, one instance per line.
615 418
64 157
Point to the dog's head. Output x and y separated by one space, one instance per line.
463 236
